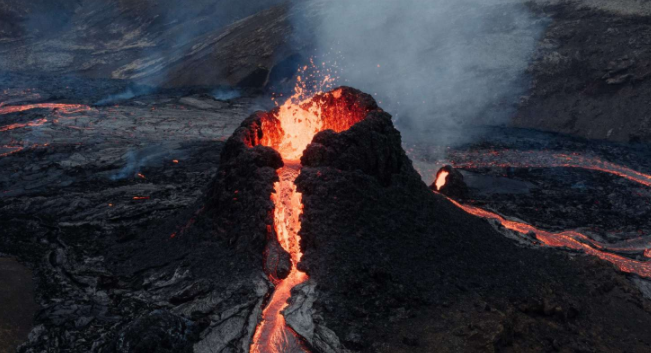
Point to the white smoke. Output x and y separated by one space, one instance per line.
433 64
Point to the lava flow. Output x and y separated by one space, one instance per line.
568 239
273 335
63 108
289 129
542 159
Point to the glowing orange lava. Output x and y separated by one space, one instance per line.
441 179
273 335
289 129
11 150
59 108
63 108
569 239
37 122
16 149
542 159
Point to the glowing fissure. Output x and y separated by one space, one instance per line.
568 239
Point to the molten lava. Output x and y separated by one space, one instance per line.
37 122
8 150
273 335
441 179
289 129
569 239
543 159
62 108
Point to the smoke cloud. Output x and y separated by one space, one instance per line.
436 65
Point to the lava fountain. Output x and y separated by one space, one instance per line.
289 129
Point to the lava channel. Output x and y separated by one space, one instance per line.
543 159
273 335
63 108
568 239
289 129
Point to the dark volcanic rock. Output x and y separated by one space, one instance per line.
240 198
591 75
103 262
159 331
368 147
18 306
399 269
212 42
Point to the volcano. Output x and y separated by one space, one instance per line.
359 254
193 177
312 231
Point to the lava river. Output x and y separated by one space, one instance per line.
272 334
568 239
59 108
292 128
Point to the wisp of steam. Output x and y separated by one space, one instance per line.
436 65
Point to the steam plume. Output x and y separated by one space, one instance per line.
436 64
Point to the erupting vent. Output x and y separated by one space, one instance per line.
289 129
441 179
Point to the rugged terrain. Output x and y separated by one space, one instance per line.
140 237
591 73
